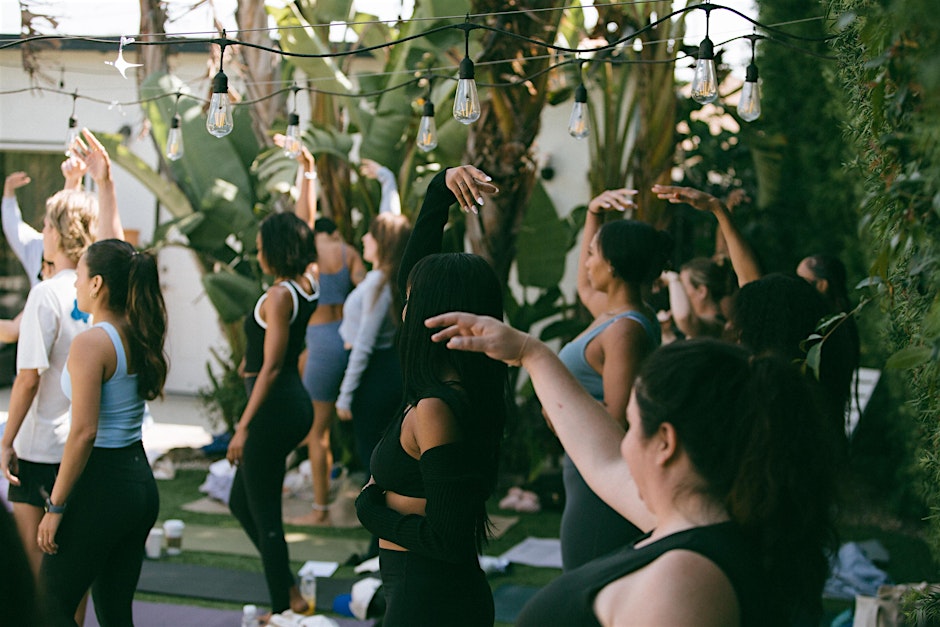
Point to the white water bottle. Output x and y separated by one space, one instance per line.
250 616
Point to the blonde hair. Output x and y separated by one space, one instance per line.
74 216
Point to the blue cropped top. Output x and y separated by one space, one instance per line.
121 413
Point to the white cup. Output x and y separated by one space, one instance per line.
174 536
154 545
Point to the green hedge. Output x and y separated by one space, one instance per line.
889 68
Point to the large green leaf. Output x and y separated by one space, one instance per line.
543 243
231 294
205 158
170 195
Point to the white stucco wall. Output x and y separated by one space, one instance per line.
36 121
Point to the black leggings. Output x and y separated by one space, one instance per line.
376 401
424 591
278 428
101 539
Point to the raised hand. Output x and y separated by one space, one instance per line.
15 181
469 184
87 148
613 200
703 201
73 169
481 334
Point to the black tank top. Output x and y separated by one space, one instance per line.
304 305
569 599
392 467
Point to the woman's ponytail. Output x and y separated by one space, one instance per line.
146 312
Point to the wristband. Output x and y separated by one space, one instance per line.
53 509
310 176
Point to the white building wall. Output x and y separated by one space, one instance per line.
36 121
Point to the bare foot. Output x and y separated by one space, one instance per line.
313 519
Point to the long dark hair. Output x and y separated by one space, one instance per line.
831 268
753 431
777 313
134 291
287 243
457 282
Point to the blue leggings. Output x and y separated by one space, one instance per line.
101 539
281 423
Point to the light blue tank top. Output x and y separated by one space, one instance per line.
572 353
122 409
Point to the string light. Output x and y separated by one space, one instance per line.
705 79
427 128
578 122
466 101
467 105
749 102
72 133
219 120
293 145
174 139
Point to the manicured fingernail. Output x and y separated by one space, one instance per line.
474 210
489 178
480 200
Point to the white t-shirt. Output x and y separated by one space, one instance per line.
25 241
51 320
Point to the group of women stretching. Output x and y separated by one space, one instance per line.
698 474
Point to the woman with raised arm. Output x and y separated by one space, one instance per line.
436 465
696 294
726 463
619 261
278 414
339 268
104 500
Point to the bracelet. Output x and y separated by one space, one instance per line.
311 176
53 509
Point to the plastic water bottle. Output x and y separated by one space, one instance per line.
250 616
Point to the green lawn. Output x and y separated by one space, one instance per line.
910 557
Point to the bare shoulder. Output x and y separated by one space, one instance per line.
678 588
433 423
93 347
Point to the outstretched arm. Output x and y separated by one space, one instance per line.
96 158
390 201
306 207
466 185
610 200
743 259
585 429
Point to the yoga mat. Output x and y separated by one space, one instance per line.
219 584
539 552
509 600
300 545
167 615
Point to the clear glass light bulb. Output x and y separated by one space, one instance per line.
749 103
578 122
705 79
466 101
174 140
292 143
427 129
70 136
219 120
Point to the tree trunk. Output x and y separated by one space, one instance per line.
260 68
500 142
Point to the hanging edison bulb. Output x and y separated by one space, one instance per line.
219 121
293 146
578 122
705 79
427 128
70 135
174 140
466 101
749 103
